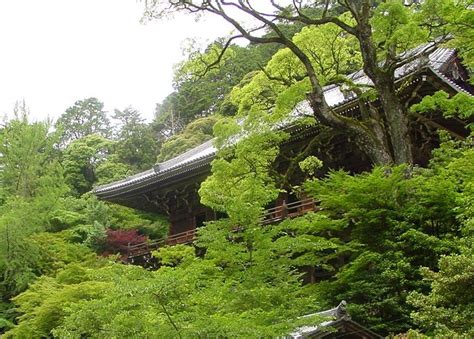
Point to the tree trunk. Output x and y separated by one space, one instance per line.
369 136
395 122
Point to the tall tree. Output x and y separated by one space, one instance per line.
383 29
136 142
27 158
81 159
31 183
84 118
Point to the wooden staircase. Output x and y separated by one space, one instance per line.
270 216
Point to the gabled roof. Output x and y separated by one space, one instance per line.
336 319
335 96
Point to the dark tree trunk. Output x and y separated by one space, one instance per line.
394 123
397 124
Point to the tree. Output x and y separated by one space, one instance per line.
28 158
199 92
194 298
84 118
447 311
195 133
136 142
282 83
31 183
82 157
383 29
390 223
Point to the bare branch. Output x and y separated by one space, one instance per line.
220 56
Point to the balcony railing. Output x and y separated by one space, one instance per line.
270 216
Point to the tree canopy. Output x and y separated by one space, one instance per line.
84 118
395 241
383 31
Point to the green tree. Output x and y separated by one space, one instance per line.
195 133
447 311
113 300
84 118
32 181
390 223
28 159
282 83
200 91
81 160
136 142
203 87
383 30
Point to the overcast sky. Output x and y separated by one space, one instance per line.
54 52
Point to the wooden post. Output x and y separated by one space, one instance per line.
284 210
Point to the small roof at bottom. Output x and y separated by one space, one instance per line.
339 324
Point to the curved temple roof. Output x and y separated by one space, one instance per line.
335 96
334 319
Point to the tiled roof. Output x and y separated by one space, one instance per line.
196 157
335 97
330 318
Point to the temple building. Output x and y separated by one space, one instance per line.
170 188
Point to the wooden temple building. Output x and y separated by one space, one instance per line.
170 188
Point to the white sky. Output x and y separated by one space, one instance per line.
55 52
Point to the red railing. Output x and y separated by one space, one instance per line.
270 216
175 239
290 210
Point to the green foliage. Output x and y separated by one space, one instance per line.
202 89
28 161
153 225
460 106
32 182
85 117
82 157
396 28
394 221
283 83
55 252
114 300
175 255
447 311
25 254
45 303
197 132
310 164
240 184
136 145
454 18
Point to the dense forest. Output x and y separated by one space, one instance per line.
395 242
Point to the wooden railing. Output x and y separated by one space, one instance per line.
270 216
290 210
175 239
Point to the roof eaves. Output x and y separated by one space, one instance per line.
172 166
142 182
448 81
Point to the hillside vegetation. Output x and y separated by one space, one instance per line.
395 242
